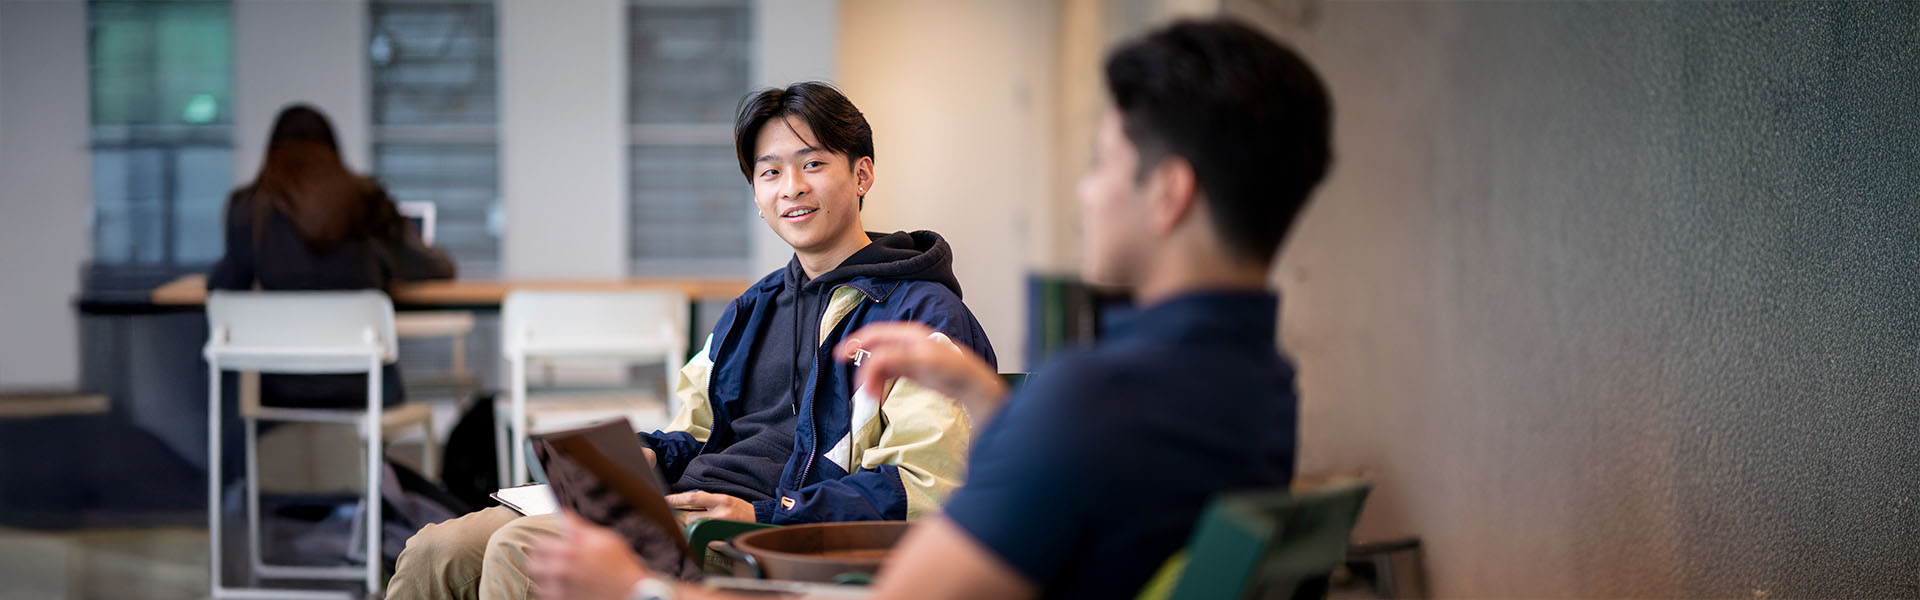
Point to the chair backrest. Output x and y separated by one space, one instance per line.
299 332
554 323
1269 544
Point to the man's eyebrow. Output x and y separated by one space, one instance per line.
801 152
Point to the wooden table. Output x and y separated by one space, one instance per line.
191 290
190 293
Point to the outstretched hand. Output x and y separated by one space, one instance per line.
585 562
886 351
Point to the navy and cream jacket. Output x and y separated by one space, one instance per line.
854 457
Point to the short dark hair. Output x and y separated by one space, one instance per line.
1246 112
834 119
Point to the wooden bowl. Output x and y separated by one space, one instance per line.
821 551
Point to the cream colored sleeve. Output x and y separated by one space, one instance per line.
695 414
927 437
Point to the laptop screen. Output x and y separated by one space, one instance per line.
420 217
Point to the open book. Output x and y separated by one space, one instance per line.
529 500
601 473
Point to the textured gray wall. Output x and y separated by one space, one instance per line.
1619 299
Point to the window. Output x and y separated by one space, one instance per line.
161 85
435 117
688 68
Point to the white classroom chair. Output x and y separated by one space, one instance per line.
301 333
627 325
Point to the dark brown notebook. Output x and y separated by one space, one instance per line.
600 473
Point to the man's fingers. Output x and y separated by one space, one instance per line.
901 349
693 498
876 370
878 337
571 524
548 562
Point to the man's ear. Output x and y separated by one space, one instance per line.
1172 193
863 176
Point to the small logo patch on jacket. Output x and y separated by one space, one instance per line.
786 502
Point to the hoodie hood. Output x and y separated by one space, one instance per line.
918 255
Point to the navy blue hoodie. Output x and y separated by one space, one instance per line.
779 402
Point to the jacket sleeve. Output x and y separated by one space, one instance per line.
917 459
235 269
692 422
406 256
907 460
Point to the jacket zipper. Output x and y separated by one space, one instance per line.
795 400
813 383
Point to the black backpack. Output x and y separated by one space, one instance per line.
469 467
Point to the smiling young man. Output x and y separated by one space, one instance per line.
1091 476
771 427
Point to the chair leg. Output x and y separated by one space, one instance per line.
252 451
213 478
374 462
460 357
502 462
430 451
517 370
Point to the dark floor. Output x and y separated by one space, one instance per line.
93 470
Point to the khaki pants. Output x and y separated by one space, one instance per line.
481 555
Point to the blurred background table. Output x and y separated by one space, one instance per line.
477 294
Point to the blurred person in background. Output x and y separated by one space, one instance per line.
307 223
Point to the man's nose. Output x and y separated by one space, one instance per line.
792 186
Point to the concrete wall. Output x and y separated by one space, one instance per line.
962 133
1087 29
45 191
309 52
563 143
794 41
1619 300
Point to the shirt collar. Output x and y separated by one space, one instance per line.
1242 316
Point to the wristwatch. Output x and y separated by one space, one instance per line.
652 587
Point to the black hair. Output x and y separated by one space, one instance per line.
1246 112
304 123
303 178
836 122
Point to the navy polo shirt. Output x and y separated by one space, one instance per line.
1097 471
